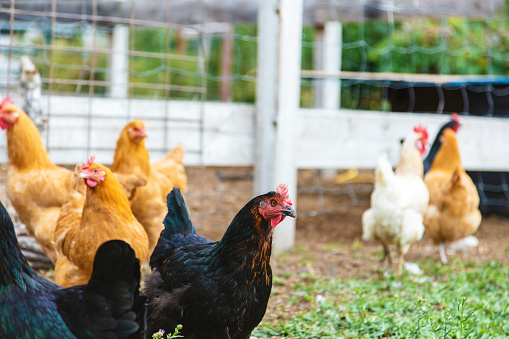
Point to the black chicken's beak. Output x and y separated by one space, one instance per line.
289 212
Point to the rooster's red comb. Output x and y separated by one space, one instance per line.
90 161
422 130
283 191
455 117
6 101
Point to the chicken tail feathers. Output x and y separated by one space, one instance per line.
177 153
178 230
110 305
368 225
384 172
113 293
175 156
177 219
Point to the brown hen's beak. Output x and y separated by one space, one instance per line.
289 212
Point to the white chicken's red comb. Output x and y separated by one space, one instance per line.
422 130
90 161
283 190
6 101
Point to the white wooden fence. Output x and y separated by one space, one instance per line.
322 138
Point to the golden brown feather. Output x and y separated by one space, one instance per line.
36 187
106 215
453 212
149 203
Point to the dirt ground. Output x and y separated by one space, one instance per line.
329 219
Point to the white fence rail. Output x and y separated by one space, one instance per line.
346 139
323 138
72 134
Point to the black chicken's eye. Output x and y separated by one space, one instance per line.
273 202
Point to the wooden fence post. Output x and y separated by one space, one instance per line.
275 144
226 65
332 45
327 58
266 96
120 62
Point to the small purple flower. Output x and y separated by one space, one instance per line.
161 331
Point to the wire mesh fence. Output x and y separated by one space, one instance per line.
90 51
414 56
394 53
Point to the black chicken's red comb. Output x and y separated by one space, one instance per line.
283 190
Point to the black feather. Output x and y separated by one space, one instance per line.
214 290
437 143
178 229
110 306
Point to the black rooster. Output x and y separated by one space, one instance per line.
455 125
214 289
109 306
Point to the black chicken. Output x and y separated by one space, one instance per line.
109 306
214 289
455 125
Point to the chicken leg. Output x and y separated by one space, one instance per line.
402 250
443 256
387 255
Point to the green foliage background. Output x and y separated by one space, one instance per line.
452 45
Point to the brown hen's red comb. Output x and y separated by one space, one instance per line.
421 129
455 117
283 190
90 161
6 101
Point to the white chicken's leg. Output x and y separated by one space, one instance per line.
387 255
402 250
443 257
399 268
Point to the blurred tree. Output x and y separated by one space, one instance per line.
70 65
452 46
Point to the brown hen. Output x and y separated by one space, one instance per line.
36 186
453 211
131 157
106 215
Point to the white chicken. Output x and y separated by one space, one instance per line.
399 199
30 85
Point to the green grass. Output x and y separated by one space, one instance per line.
460 300
331 247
